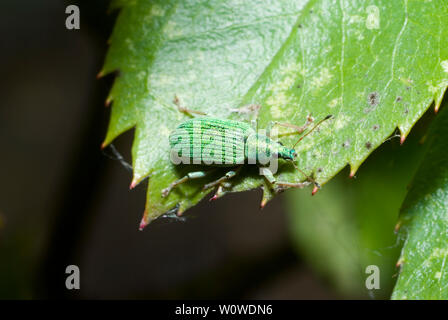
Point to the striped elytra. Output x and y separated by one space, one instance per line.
211 141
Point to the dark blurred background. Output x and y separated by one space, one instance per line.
62 201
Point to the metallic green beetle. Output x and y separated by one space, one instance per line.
229 143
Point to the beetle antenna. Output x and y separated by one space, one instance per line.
312 129
118 157
307 176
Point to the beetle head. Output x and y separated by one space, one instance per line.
286 153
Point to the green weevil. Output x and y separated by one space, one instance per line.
228 143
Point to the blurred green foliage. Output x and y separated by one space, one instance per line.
424 222
349 224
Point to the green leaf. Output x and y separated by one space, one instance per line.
349 225
424 223
374 67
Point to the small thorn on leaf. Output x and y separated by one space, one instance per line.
213 198
352 173
403 137
107 102
399 263
134 183
103 145
143 222
315 189
263 203
100 74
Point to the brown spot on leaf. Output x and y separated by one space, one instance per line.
368 145
373 98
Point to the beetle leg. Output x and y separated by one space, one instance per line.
299 129
227 176
183 109
293 184
281 186
219 193
267 173
248 109
189 176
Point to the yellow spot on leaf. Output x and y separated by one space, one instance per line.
341 121
444 65
164 131
333 103
437 88
277 103
355 19
157 11
292 69
172 30
322 79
